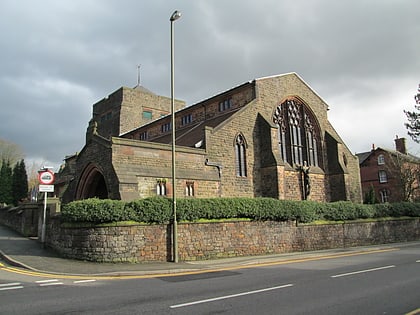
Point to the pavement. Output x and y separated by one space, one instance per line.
29 253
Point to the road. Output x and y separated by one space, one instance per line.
378 282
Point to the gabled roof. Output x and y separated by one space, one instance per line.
191 135
408 157
363 156
300 78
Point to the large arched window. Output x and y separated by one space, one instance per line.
298 134
240 156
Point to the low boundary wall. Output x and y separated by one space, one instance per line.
27 217
199 241
22 219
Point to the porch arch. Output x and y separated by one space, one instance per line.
92 184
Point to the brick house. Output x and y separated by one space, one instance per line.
393 175
268 137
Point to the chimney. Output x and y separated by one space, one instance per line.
400 145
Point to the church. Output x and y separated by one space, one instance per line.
268 137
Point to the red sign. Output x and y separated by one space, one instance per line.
46 177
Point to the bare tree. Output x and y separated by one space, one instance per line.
10 152
32 171
406 172
413 125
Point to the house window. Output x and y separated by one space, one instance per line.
225 104
144 135
240 156
189 189
166 127
382 177
161 187
106 116
187 119
384 195
298 134
381 159
147 115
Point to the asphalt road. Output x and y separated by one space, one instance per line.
381 282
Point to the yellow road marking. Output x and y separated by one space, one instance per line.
415 312
174 273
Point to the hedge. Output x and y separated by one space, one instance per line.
159 210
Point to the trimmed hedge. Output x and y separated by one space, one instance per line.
97 210
159 210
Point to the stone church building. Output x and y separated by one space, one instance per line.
269 137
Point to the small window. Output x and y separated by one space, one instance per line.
187 119
147 115
161 187
381 159
106 116
225 104
189 189
384 195
383 177
166 127
144 135
345 160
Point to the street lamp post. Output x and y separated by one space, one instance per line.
175 16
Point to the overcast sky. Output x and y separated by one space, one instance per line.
58 58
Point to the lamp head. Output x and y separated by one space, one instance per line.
175 16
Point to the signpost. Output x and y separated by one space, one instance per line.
46 188
46 179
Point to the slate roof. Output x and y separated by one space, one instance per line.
363 156
192 134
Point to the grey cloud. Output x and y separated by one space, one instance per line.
60 57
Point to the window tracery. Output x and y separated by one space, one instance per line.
298 134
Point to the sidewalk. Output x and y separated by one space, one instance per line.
28 253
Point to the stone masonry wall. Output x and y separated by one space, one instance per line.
198 241
139 165
23 219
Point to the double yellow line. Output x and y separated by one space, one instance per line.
174 273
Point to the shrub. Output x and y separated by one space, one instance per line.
151 210
400 209
308 211
335 211
96 210
159 210
382 210
364 211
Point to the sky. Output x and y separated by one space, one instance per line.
58 58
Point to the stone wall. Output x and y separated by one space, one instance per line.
23 219
199 241
139 165
122 110
27 217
